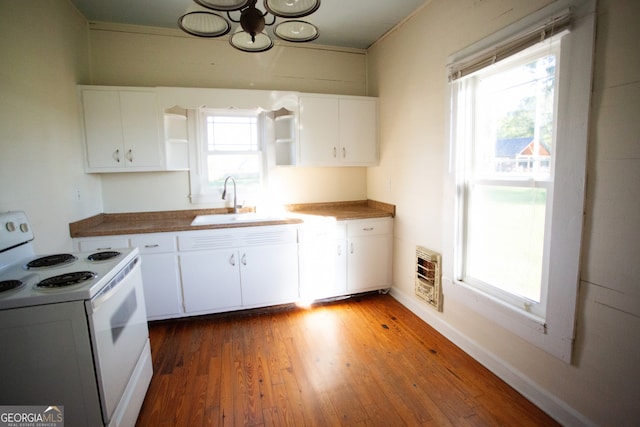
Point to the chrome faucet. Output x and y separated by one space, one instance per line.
235 193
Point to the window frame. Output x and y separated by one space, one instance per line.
199 153
554 331
469 177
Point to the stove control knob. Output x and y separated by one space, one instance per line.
24 227
11 226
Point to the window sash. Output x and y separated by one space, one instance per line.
467 130
501 282
219 143
203 153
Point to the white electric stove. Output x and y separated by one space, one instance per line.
73 328
54 278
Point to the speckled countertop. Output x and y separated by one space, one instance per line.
172 221
346 210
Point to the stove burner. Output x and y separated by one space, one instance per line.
66 279
8 285
51 261
103 256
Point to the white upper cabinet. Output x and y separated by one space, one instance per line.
338 130
122 130
137 129
126 131
359 131
319 132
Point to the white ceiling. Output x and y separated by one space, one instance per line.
346 23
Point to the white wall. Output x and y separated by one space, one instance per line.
407 70
170 190
137 56
47 48
43 53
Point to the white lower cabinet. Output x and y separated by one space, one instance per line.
161 286
323 261
160 276
210 271
210 281
236 268
269 275
345 257
159 265
369 244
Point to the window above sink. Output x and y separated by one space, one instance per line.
227 143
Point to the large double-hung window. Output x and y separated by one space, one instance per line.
519 114
508 176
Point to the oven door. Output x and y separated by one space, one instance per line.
119 332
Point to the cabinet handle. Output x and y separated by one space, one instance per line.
367 229
232 260
335 152
151 246
130 156
243 260
344 153
116 155
351 247
103 249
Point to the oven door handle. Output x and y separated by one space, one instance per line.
113 286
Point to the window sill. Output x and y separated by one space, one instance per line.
494 306
198 199
527 326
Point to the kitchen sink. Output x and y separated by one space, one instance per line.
236 218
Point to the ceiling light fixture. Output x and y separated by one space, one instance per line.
250 36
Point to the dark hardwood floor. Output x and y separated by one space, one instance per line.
363 361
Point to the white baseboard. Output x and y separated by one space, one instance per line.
546 401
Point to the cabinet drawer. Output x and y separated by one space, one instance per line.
237 237
90 245
209 239
154 243
269 235
369 227
318 231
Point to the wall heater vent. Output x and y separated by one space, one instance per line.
428 277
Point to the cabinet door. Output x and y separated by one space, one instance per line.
369 263
210 281
103 129
160 274
161 285
340 274
269 275
323 269
359 131
122 130
319 131
140 129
